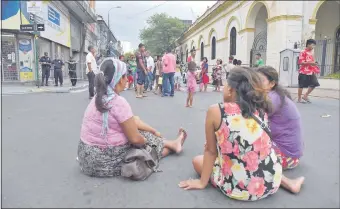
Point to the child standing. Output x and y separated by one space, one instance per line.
178 77
160 84
204 75
191 83
218 75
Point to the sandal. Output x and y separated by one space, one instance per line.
306 100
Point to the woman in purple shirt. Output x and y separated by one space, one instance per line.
284 120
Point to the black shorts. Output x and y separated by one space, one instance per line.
306 81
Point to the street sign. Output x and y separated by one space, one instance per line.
27 28
40 27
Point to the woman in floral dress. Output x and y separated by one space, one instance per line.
238 157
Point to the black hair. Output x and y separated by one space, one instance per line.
235 62
89 48
140 45
192 50
250 94
272 76
310 41
258 54
231 57
205 58
220 61
168 49
239 62
102 80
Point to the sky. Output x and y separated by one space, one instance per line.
127 21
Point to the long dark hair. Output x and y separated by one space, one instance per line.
272 76
251 96
102 80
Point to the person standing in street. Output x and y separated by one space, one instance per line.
133 66
91 69
307 73
169 65
229 66
72 71
58 72
150 63
158 72
141 70
259 60
45 62
204 75
192 56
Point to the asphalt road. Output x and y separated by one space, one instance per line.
39 146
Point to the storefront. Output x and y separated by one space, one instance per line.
18 55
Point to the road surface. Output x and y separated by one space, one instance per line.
41 134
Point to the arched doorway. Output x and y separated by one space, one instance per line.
257 19
327 37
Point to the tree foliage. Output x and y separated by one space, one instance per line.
161 32
128 55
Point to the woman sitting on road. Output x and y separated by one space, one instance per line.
284 120
109 128
238 157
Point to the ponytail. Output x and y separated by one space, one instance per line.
101 89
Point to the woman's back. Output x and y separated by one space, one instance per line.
247 167
285 124
91 130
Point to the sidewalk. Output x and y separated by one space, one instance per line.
9 89
323 93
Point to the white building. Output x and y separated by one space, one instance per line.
268 27
127 46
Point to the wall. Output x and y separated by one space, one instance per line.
10 14
57 24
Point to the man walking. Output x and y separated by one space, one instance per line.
307 72
91 66
45 62
259 60
58 73
169 66
141 70
150 63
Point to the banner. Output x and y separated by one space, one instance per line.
11 10
26 58
57 24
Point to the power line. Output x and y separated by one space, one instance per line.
154 7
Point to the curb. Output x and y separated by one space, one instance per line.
42 90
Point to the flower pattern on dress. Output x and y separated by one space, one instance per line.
247 167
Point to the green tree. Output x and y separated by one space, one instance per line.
161 32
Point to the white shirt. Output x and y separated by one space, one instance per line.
229 67
91 59
150 63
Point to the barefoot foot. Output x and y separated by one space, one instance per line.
295 185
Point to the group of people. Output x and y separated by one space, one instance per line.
251 136
145 73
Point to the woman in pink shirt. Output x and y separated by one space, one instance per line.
110 129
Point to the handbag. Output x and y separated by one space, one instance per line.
140 163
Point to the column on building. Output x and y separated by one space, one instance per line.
324 26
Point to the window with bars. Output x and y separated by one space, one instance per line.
232 50
213 48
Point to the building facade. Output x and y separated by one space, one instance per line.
67 25
245 28
107 40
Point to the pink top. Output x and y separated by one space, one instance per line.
169 60
92 123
